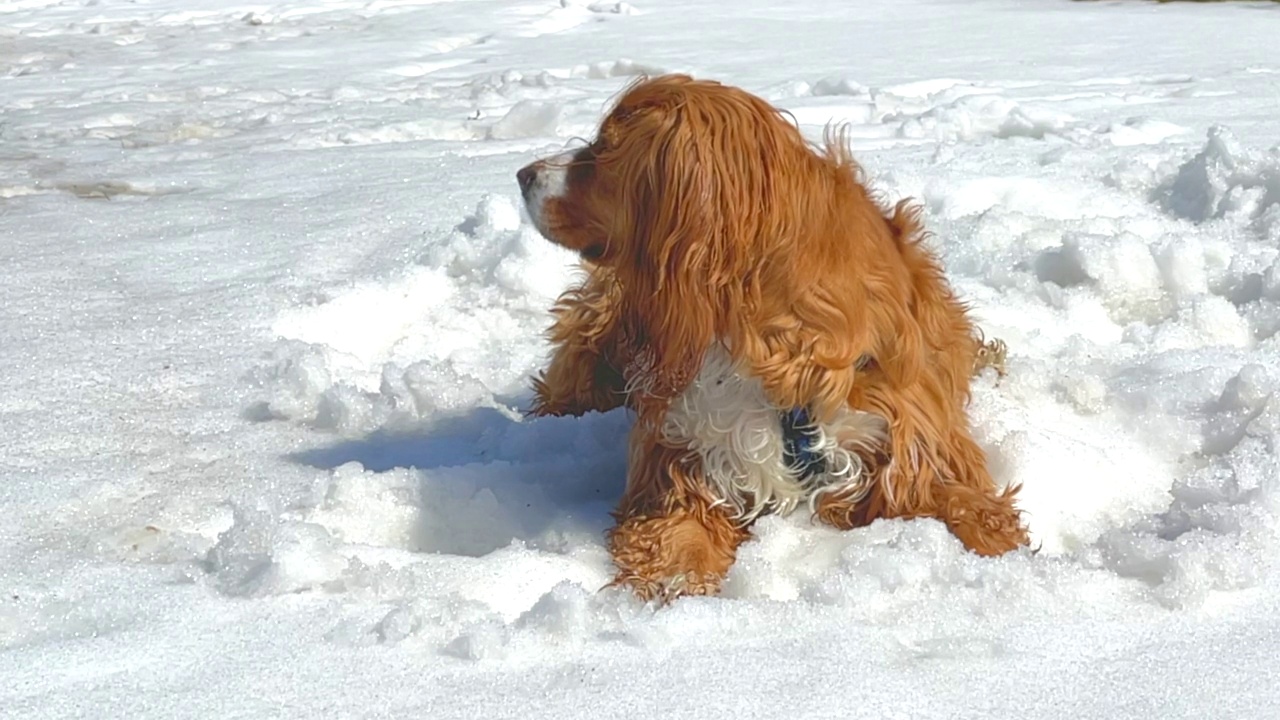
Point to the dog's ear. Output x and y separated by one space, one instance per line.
672 259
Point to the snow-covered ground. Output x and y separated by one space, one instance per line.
269 305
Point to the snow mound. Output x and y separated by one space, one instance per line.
387 354
623 68
1218 534
1142 131
1226 180
528 118
973 116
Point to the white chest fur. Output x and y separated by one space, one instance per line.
725 417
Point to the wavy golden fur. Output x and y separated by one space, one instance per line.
704 217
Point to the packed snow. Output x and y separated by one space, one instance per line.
270 305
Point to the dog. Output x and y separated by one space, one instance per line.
782 339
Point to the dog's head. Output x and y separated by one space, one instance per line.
679 169
686 191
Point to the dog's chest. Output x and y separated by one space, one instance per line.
757 457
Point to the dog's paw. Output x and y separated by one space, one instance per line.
667 589
992 354
986 522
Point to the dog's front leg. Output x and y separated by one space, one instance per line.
671 538
577 380
583 373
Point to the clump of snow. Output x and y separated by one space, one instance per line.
839 86
263 555
973 116
1142 131
1224 179
296 378
527 118
368 508
1190 265
1121 268
612 8
494 245
1208 320
622 68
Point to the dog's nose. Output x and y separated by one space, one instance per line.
525 176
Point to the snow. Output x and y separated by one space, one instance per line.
270 306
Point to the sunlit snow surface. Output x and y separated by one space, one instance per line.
269 305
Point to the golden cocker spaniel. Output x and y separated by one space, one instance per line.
782 339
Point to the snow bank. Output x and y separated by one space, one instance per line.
448 334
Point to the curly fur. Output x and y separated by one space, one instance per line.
725 417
